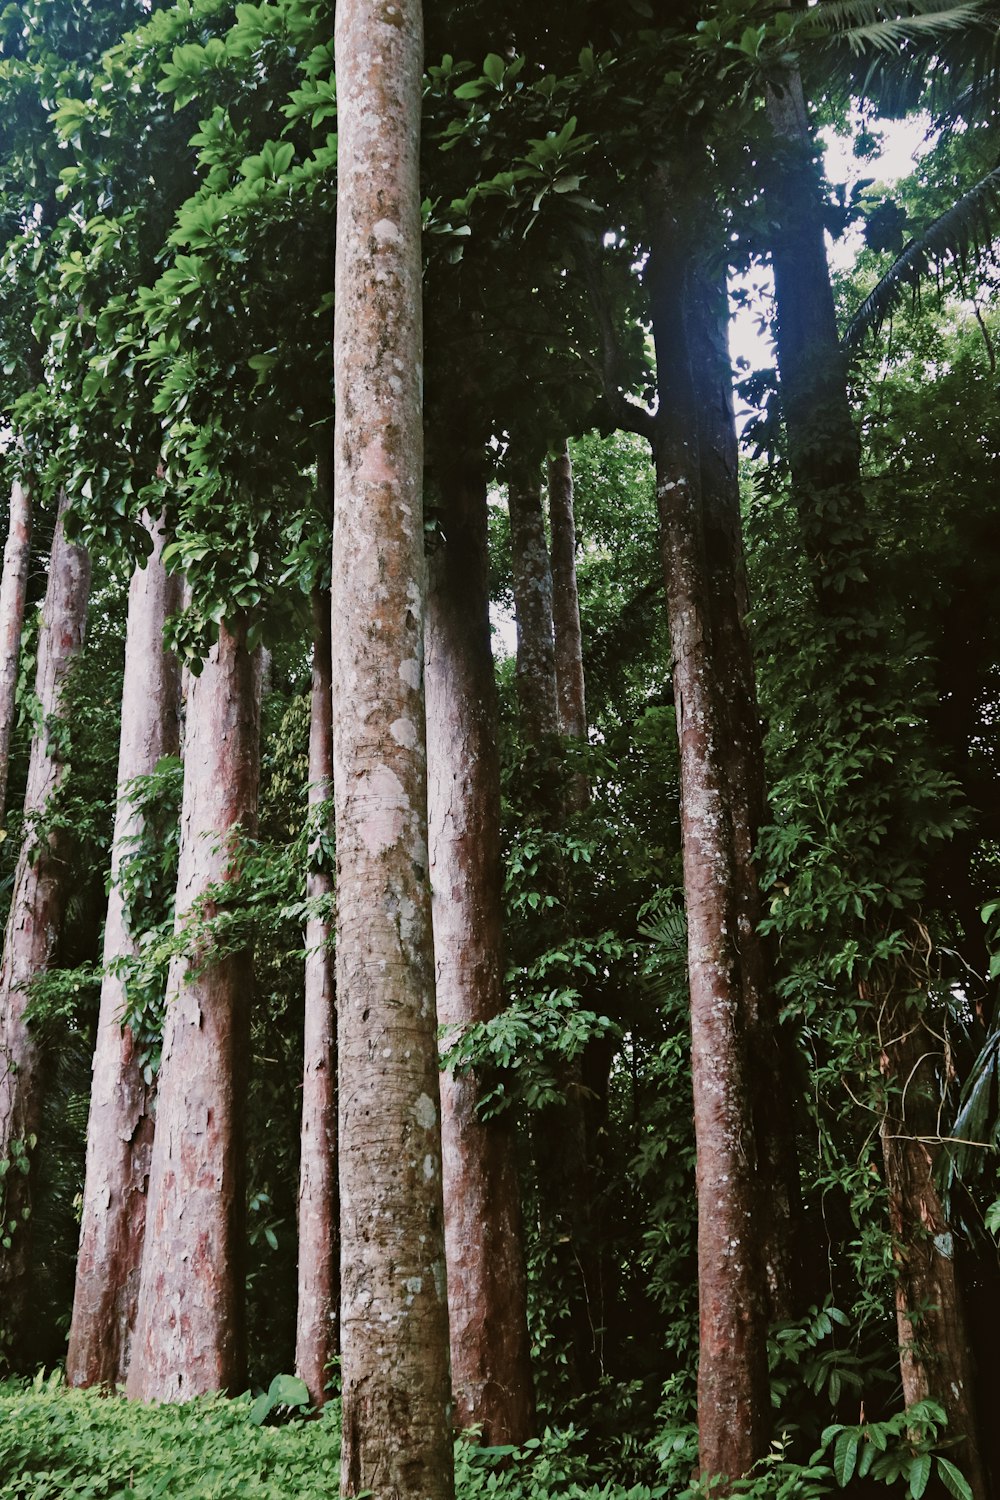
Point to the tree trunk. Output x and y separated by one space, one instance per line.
565 600
537 693
41 886
707 315
319 1245
934 1354
487 1296
13 588
394 1312
733 1395
120 1129
189 1335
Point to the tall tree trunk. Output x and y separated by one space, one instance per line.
487 1295
319 1245
13 589
564 1182
707 316
935 1359
189 1335
825 460
394 1312
41 886
733 1395
565 599
120 1129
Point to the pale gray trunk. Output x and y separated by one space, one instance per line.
487 1296
41 886
316 1325
120 1129
13 588
537 695
394 1314
189 1335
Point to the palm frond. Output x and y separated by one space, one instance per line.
963 232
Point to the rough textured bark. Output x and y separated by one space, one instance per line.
41 884
487 1297
565 600
189 1335
733 1398
319 1245
394 1313
935 1360
13 588
120 1128
537 693
706 316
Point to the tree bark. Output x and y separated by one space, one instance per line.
565 599
120 1128
13 589
537 693
487 1295
394 1314
934 1355
706 316
733 1395
319 1245
189 1335
41 887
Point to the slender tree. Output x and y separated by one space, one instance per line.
394 1314
41 886
537 691
487 1294
13 589
189 1334
319 1248
120 1128
568 643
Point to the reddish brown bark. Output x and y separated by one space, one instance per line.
487 1296
934 1356
319 1245
733 1395
41 886
394 1313
13 589
565 599
189 1335
120 1129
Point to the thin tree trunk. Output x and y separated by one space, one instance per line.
13 589
41 887
707 316
733 1395
394 1311
319 1245
934 1354
189 1335
537 693
565 599
120 1129
487 1294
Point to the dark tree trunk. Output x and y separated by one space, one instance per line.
487 1295
13 589
733 1395
565 599
537 693
41 886
190 1336
394 1312
319 1244
120 1129
935 1358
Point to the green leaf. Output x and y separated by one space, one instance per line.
920 1472
288 1390
845 1456
494 69
954 1480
